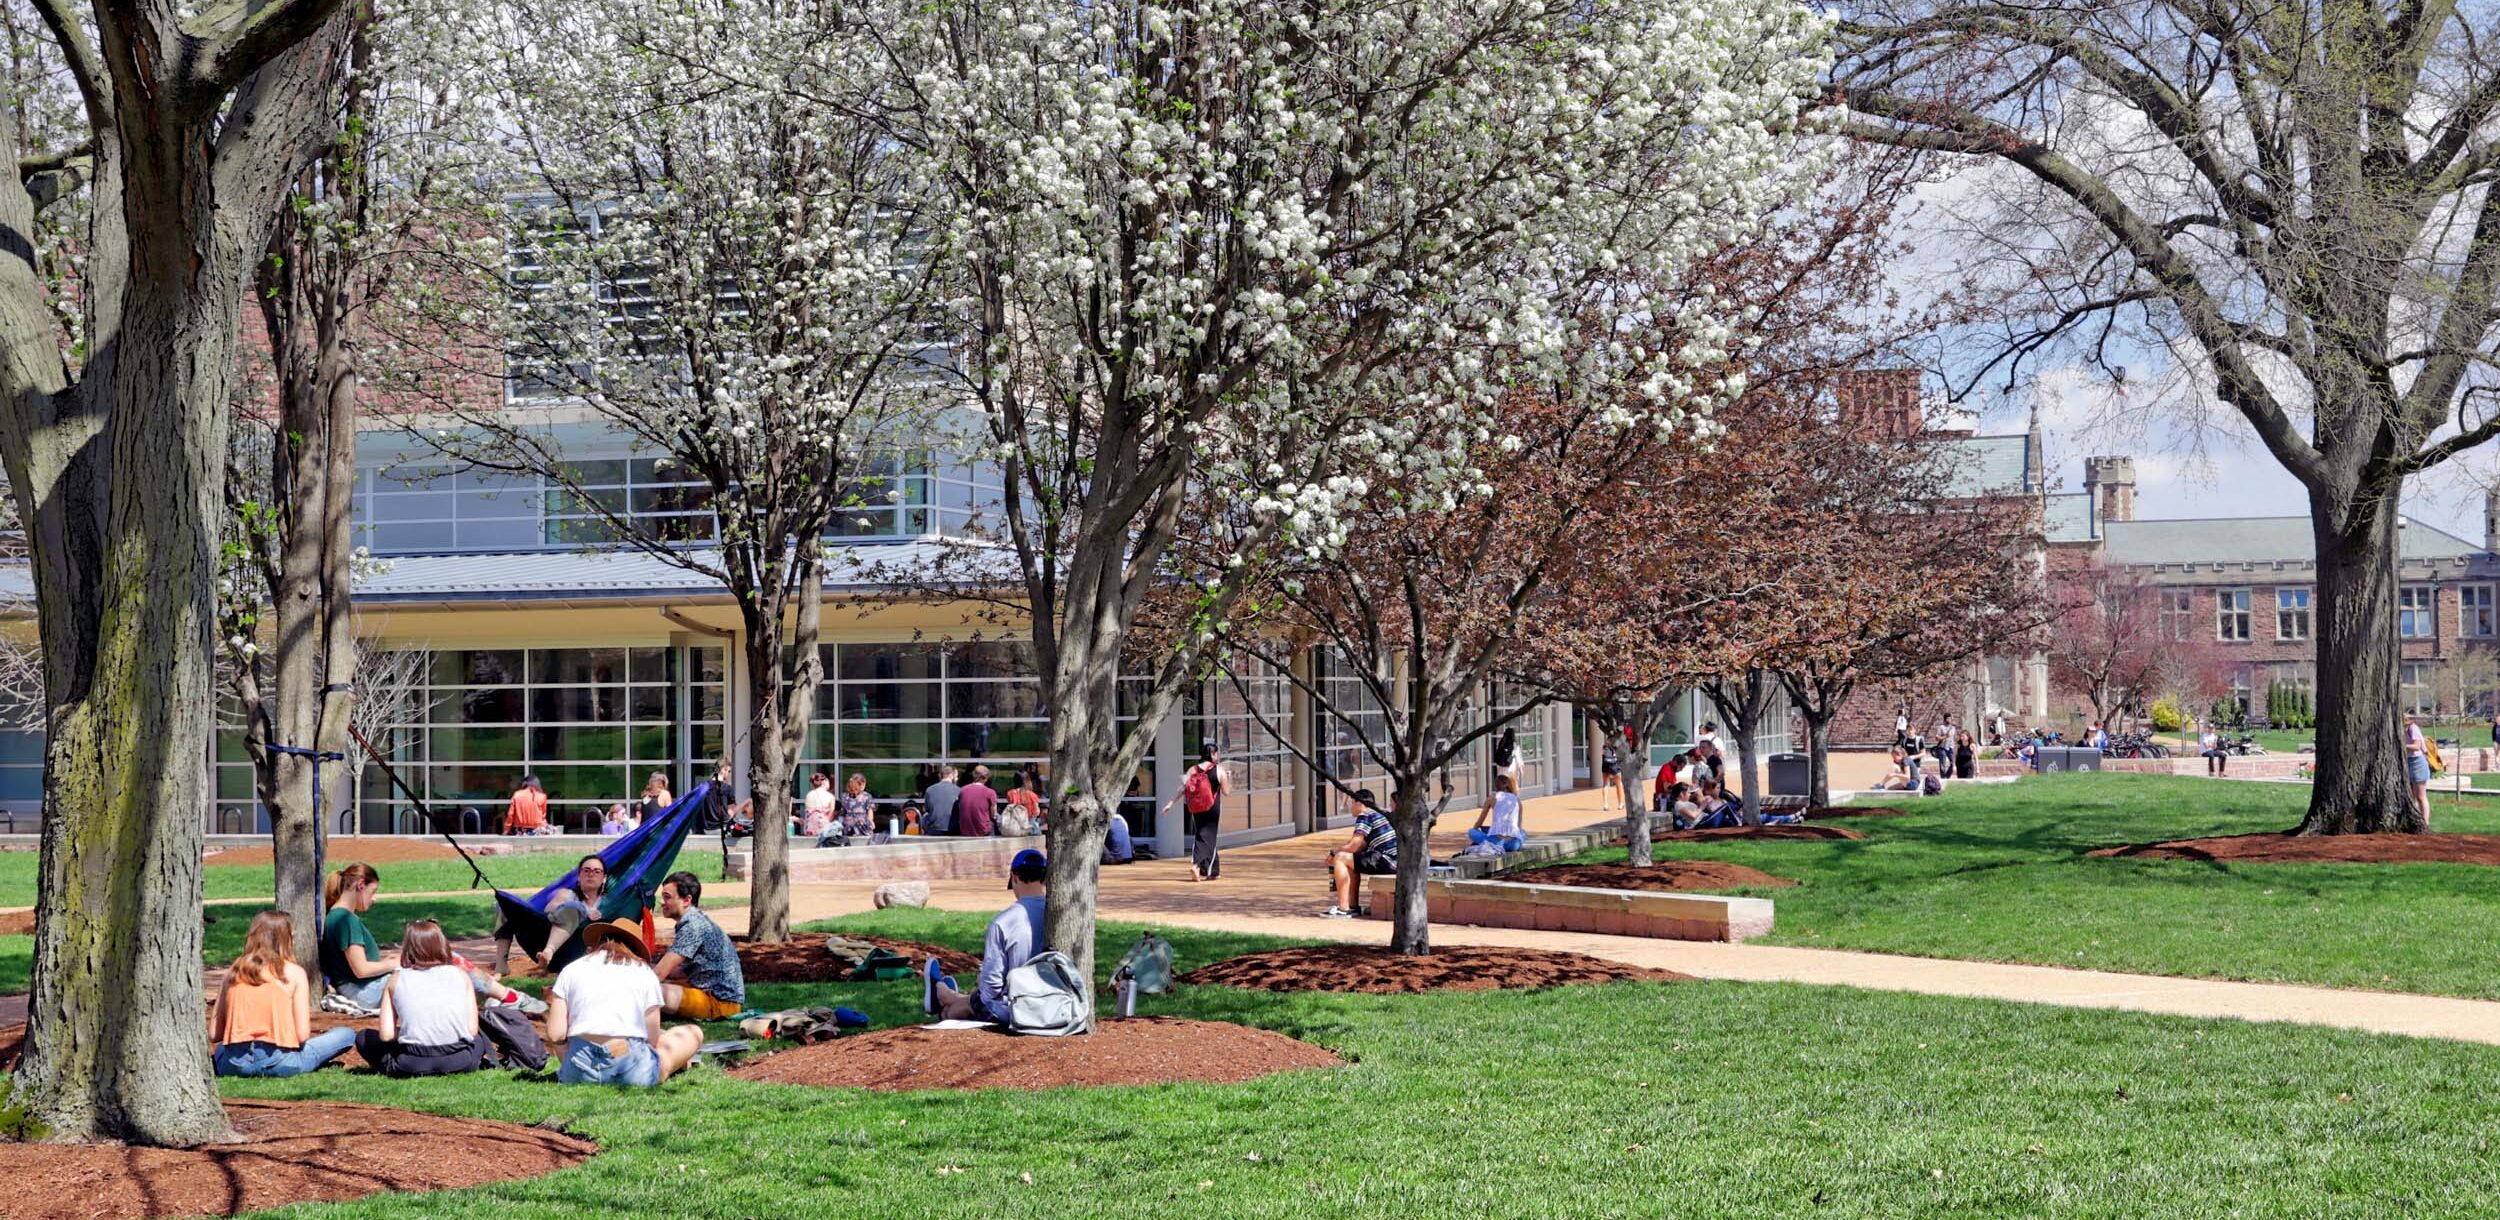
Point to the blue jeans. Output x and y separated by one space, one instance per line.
367 992
1477 834
265 1059
587 1061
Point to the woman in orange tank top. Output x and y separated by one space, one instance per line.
263 1022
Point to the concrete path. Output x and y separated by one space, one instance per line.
1279 888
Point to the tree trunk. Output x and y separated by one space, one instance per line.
2361 785
783 704
114 1044
1412 814
1635 811
1818 760
1079 824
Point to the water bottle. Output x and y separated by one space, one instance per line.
1128 995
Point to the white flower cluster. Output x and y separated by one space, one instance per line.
1315 244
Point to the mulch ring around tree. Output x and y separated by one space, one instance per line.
1374 970
1794 830
291 1152
1678 875
1827 813
2320 849
1139 1050
803 959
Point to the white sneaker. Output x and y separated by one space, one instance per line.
1336 913
334 1002
530 1005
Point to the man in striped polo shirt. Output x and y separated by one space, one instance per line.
1371 850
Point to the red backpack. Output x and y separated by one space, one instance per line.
1198 791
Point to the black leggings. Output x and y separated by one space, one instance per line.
1202 831
400 1059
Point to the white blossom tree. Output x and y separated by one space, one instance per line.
1236 258
721 259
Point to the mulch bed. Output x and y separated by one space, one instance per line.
17 923
1804 830
802 958
1826 813
1660 875
1146 1050
2321 849
1374 970
291 1152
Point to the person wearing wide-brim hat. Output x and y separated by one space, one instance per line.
605 1010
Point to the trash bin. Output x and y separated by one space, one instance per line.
1790 774
2052 758
2083 758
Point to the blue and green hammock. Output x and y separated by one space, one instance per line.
637 862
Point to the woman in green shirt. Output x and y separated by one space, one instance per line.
352 962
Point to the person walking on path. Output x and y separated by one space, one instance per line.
1201 799
2418 766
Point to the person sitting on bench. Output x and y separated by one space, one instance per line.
1501 811
713 988
1372 850
604 1011
429 1011
1014 937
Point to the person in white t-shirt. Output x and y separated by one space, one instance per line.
429 1011
820 807
605 1012
1498 821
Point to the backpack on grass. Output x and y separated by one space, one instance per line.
1149 962
515 1040
1045 998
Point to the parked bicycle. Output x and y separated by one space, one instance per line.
2136 744
2244 746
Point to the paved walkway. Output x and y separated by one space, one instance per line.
1279 888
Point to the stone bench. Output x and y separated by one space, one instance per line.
1565 908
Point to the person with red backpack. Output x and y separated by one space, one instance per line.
1201 798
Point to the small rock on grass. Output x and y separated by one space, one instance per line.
901 894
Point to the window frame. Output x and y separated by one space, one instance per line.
2234 615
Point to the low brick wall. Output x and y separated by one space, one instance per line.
1565 908
917 858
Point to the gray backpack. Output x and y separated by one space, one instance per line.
1045 998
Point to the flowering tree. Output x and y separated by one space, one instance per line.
722 261
181 129
1238 258
2112 643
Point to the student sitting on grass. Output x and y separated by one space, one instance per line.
1014 937
263 1022
353 962
1372 850
429 1011
1501 810
1117 846
713 987
605 1012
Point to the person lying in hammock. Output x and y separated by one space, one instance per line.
568 911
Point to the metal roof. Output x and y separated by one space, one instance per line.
2252 540
1988 465
2067 517
584 575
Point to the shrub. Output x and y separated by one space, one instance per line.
2167 715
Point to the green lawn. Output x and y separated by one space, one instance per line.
1689 1099
523 871
1998 872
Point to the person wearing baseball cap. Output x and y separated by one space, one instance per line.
1014 937
605 1012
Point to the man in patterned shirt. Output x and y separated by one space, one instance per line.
699 976
1371 850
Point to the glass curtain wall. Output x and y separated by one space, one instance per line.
1227 712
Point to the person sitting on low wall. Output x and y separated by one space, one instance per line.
1370 851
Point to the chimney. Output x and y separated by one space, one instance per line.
1884 400
2110 481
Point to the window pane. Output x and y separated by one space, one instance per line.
578 665
596 744
885 662
889 701
1029 739
890 741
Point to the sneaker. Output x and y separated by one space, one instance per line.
1336 913
530 1005
930 974
334 1002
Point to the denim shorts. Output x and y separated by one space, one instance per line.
587 1061
2419 765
